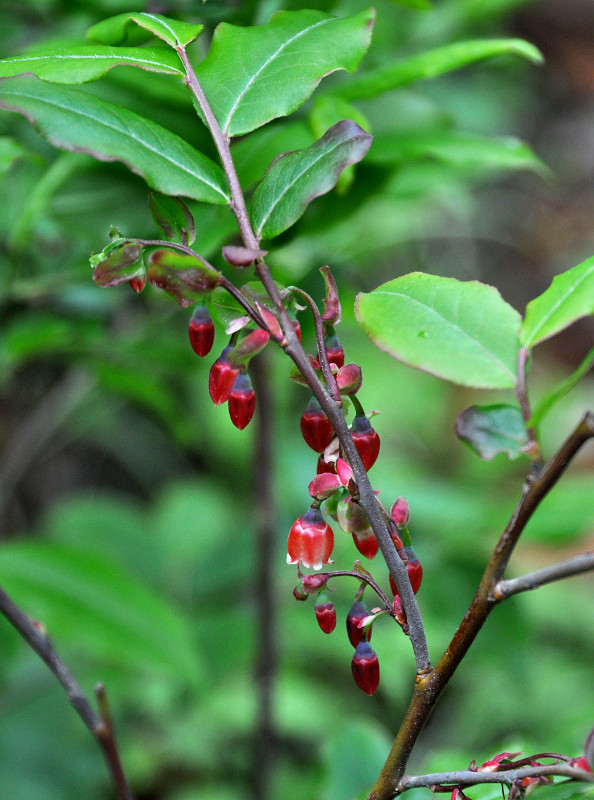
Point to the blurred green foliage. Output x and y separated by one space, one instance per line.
125 495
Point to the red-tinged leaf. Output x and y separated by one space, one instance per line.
185 277
122 265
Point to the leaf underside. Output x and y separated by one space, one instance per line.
73 120
493 429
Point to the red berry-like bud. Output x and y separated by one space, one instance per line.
325 613
400 512
311 540
366 441
334 351
352 519
242 401
581 763
415 572
357 613
138 283
221 378
316 428
349 379
367 545
365 667
201 331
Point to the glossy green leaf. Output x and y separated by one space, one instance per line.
186 277
462 331
74 120
460 149
253 154
91 605
493 429
252 75
569 297
89 62
295 179
121 29
432 63
173 217
120 266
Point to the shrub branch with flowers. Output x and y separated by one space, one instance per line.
460 331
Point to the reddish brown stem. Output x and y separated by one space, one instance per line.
429 688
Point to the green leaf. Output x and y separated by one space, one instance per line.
253 154
558 392
93 606
74 120
295 179
252 75
569 297
89 62
119 30
173 217
462 331
432 63
493 429
459 149
186 277
120 266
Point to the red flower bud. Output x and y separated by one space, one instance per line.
352 519
349 379
325 613
297 327
366 441
242 401
313 583
365 667
334 350
415 572
356 614
581 763
400 513
324 485
366 544
201 331
311 540
221 378
138 283
316 428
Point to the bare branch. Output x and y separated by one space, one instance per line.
99 725
556 572
470 777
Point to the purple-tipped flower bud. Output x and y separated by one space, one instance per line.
365 667
201 331
221 378
316 428
242 401
357 613
365 440
400 512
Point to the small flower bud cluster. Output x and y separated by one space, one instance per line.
228 380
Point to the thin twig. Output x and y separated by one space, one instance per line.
469 777
322 354
532 580
533 448
389 607
100 726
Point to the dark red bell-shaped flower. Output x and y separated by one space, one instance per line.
365 440
242 401
325 613
311 540
334 350
357 613
316 428
221 378
201 331
414 569
365 667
